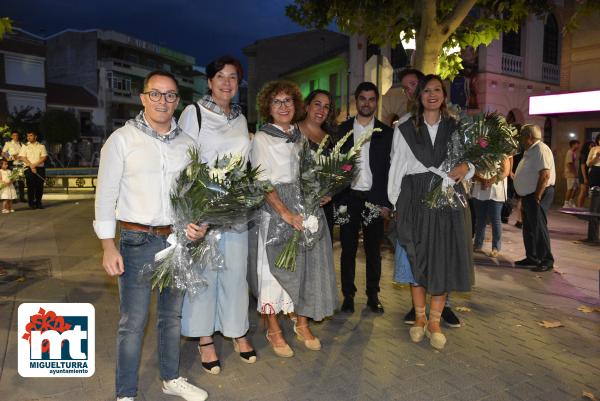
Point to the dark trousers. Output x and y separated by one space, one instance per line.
535 227
372 237
35 186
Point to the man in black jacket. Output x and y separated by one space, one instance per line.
366 194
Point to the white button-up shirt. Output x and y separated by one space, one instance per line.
363 180
404 162
535 159
12 148
34 152
135 178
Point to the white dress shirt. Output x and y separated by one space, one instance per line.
535 159
135 178
12 148
363 179
34 152
277 159
404 162
218 136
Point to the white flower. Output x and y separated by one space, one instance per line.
188 171
343 209
233 162
311 224
218 173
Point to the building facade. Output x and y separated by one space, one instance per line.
112 66
22 73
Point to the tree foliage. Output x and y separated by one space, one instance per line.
24 120
436 25
5 26
59 126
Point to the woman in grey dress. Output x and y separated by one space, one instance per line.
308 290
437 241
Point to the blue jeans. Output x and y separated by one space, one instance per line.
138 249
485 210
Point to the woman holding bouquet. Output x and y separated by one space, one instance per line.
220 129
318 122
308 289
437 240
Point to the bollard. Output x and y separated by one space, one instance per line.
594 209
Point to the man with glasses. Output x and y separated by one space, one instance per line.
369 188
138 165
409 80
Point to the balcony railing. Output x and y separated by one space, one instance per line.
550 73
512 65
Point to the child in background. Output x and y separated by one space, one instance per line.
7 189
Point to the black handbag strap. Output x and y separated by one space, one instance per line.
198 116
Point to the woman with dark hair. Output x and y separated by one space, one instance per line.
319 121
437 240
583 173
219 128
308 290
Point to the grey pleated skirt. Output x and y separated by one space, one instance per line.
437 241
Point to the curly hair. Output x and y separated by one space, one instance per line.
272 89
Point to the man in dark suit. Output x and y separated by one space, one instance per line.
368 187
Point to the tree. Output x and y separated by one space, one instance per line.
24 120
5 26
59 126
436 25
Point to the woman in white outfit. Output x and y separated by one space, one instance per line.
219 129
308 290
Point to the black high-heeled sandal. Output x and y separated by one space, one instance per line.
212 367
248 356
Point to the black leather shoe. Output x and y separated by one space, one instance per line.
450 318
542 268
375 305
410 317
526 263
348 305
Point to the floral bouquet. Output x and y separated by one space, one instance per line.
223 194
17 174
320 175
483 140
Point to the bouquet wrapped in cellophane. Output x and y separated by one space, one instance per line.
224 194
484 140
16 174
320 175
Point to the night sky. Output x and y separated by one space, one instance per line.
203 29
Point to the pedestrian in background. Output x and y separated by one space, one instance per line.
489 192
7 189
534 182
582 169
570 173
34 155
10 151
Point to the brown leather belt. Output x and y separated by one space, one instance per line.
156 230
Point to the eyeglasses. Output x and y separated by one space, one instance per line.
170 97
287 102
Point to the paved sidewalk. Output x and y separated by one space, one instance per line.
501 353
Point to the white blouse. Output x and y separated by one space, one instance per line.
217 136
404 162
278 160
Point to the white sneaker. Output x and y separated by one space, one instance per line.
125 399
5 211
185 390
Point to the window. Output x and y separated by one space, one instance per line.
118 83
511 43
551 40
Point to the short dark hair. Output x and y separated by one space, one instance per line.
573 142
366 87
159 73
410 71
218 64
